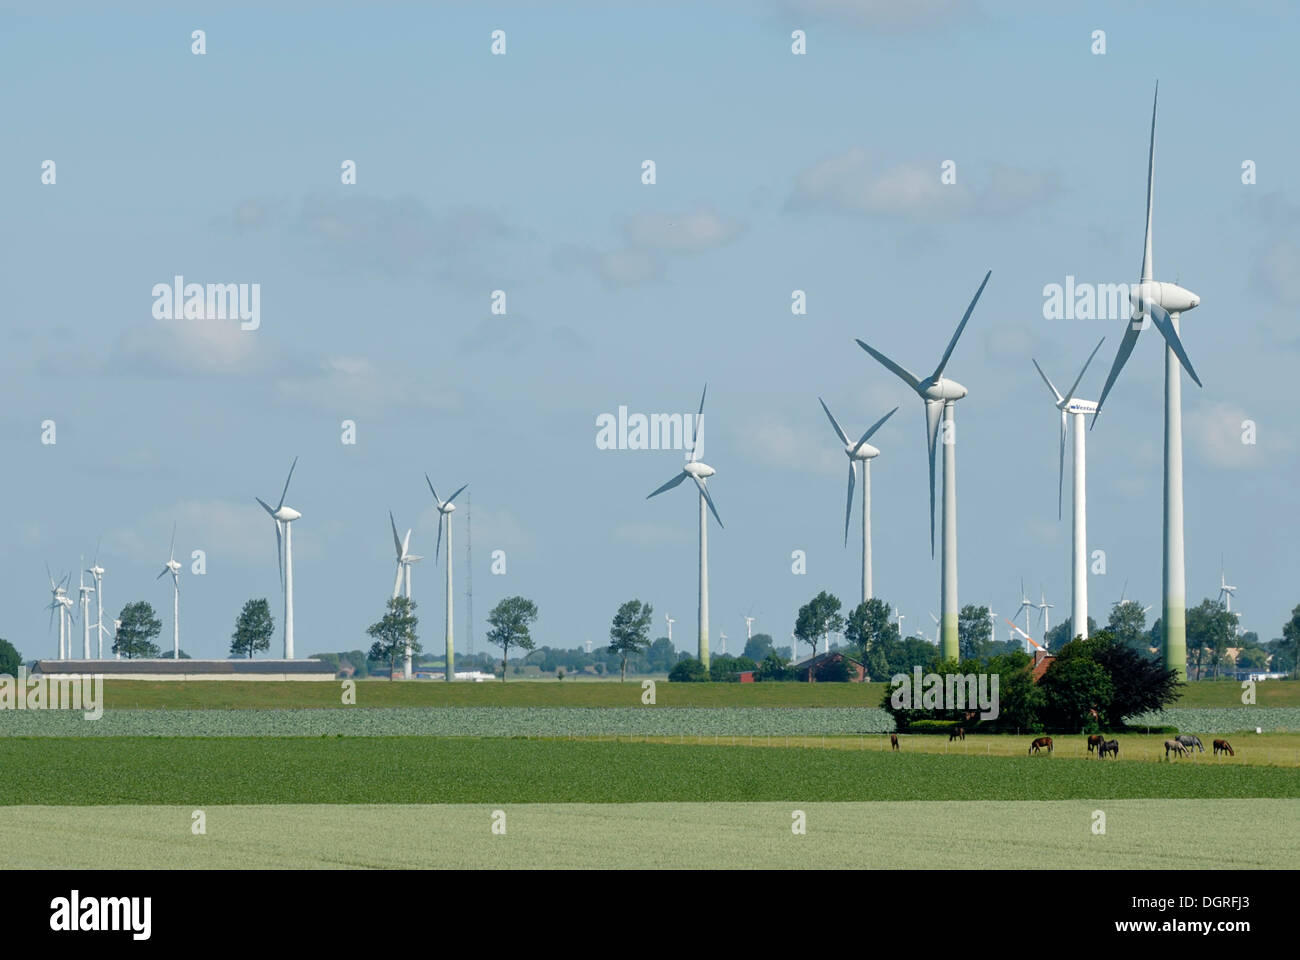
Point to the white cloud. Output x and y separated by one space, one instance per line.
173 348
355 384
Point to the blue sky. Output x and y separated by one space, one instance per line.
522 172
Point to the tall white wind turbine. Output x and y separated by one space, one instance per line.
1072 407
749 626
1043 607
1226 593
445 510
860 452
405 559
84 592
671 621
699 471
174 568
58 596
284 518
97 574
1026 605
1163 304
940 396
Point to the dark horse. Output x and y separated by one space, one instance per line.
1189 740
956 733
1040 743
893 741
1223 746
1108 746
1095 741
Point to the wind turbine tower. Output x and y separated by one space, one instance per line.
1226 592
940 396
405 560
699 471
1073 408
445 510
671 621
749 627
97 574
1162 304
174 568
85 593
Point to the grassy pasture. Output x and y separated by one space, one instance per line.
881 835
424 770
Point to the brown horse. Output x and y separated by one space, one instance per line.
1108 746
956 733
1095 741
1175 747
1223 746
1040 743
893 741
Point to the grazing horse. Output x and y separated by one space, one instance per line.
1108 746
1223 746
956 733
1095 741
1039 743
893 741
1189 741
1176 747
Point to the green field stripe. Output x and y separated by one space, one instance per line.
432 770
1167 834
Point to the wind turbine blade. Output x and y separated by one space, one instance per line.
457 493
873 428
266 506
933 413
397 584
171 550
1050 386
1060 477
960 327
165 571
285 492
95 561
1131 331
848 506
709 500
1165 324
699 420
50 575
669 485
907 376
1151 174
838 432
433 491
438 549
396 540
1070 396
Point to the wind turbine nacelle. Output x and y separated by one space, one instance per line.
1171 296
944 389
286 514
865 451
1081 406
699 470
448 508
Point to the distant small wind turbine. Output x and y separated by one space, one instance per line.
671 621
97 574
1043 607
58 596
284 518
405 559
445 510
85 593
1026 605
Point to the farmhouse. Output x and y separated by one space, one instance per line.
815 665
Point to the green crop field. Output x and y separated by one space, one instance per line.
265 695
1169 834
159 770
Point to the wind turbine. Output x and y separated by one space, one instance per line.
1163 304
85 593
174 568
722 636
404 561
1226 593
860 452
1043 607
936 627
1028 639
671 621
749 627
1072 407
900 618
284 518
1025 605
699 471
445 510
97 574
940 396
993 624
57 598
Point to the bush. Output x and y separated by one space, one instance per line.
726 669
833 671
774 667
934 726
10 658
689 670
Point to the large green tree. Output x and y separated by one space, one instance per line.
253 629
1210 631
661 656
1128 625
10 658
134 638
874 633
974 632
1078 692
393 633
818 618
1138 682
630 632
510 620
1291 639
757 646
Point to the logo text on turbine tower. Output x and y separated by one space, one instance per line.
656 431
179 300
